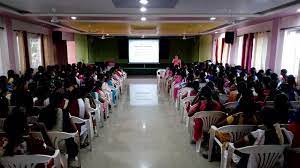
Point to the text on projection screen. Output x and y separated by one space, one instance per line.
143 51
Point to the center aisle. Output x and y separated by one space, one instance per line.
143 131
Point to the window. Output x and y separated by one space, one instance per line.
291 52
35 50
4 58
223 50
238 60
260 46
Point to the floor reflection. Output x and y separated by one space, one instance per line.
143 94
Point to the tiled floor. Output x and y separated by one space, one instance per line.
144 131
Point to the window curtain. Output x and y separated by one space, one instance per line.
226 53
46 55
291 53
35 50
20 48
4 58
260 50
216 50
247 50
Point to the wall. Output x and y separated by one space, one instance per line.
102 50
71 49
205 47
81 44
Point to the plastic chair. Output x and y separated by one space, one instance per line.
208 118
223 98
30 161
295 104
183 112
236 133
181 92
264 156
230 106
57 138
87 123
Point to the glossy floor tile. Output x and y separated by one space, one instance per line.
143 131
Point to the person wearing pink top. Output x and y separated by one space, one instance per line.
176 61
178 79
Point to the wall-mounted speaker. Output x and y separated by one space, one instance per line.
229 37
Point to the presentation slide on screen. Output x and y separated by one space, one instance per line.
143 51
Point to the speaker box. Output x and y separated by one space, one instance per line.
56 36
229 37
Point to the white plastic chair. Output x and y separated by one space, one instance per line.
295 104
87 123
236 133
183 112
160 73
30 161
57 138
208 118
231 105
223 98
264 156
181 92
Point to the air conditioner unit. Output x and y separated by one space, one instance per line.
143 30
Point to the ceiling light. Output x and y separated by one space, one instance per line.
107 34
143 19
212 18
216 32
73 17
143 9
144 2
298 10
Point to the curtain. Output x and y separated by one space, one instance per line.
239 51
260 50
216 50
46 54
226 53
222 49
20 48
4 58
247 50
291 53
35 50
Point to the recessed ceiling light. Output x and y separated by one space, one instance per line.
143 9
298 10
107 34
73 17
143 18
213 18
144 2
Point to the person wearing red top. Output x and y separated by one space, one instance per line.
204 103
176 61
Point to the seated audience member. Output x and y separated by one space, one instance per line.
245 115
283 76
269 134
16 128
90 105
56 118
205 103
3 107
215 93
281 106
177 81
195 86
294 127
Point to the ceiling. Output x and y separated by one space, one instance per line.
122 17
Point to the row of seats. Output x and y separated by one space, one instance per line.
263 155
60 158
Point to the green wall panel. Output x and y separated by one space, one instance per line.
81 44
205 46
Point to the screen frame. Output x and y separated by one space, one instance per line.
158 39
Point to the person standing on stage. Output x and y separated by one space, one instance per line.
176 61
